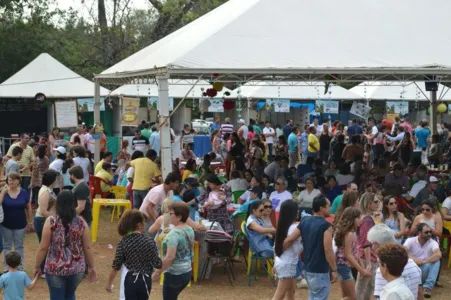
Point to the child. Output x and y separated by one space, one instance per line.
15 281
12 165
345 242
286 261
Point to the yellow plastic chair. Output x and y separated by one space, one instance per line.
195 264
120 193
254 256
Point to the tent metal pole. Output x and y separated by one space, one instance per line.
97 118
434 112
165 133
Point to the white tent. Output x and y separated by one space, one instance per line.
398 90
303 37
312 91
177 89
48 76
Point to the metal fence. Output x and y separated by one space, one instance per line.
5 143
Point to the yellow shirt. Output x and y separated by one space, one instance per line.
105 175
98 167
185 175
26 160
314 140
145 169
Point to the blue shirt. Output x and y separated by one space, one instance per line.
154 142
354 129
312 232
422 137
214 126
286 130
14 284
304 169
331 194
292 142
14 211
304 141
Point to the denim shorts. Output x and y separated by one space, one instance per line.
285 270
344 273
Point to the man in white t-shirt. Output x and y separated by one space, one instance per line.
242 129
269 133
280 194
379 235
89 141
425 252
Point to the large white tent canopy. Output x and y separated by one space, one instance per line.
398 90
312 91
48 76
304 37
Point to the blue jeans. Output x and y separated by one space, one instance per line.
138 198
10 237
25 184
38 227
63 287
299 269
173 285
318 285
429 274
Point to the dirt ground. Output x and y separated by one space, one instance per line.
217 287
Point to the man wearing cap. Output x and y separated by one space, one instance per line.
57 165
242 130
428 191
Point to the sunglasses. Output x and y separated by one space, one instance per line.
392 203
267 206
427 232
425 209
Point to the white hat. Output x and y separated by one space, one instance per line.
433 179
60 149
241 121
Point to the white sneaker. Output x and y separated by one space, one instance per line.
302 284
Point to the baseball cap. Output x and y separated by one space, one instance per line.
60 149
433 179
241 121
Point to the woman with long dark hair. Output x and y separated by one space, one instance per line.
67 242
345 241
41 164
257 234
189 169
393 218
67 184
286 260
282 146
350 199
406 148
236 151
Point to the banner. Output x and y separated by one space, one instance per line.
130 111
328 107
360 110
281 105
153 102
216 105
87 104
397 107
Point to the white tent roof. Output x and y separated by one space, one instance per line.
48 76
375 90
264 90
304 35
177 89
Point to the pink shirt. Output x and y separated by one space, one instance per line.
417 250
407 126
155 196
362 241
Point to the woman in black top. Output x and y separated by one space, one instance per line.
137 255
236 151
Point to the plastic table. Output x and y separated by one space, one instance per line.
126 204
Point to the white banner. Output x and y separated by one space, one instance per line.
327 107
216 105
281 105
397 107
153 101
87 104
360 109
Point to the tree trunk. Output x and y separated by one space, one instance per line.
107 49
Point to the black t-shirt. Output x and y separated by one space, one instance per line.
81 192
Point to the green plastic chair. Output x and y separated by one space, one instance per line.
236 195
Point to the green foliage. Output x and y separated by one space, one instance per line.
31 27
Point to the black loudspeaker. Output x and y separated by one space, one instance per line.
430 84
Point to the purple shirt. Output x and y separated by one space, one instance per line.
14 211
403 180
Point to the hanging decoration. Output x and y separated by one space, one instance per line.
218 86
239 104
211 92
441 108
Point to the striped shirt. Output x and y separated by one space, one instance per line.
226 127
411 275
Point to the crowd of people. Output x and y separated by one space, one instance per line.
329 202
